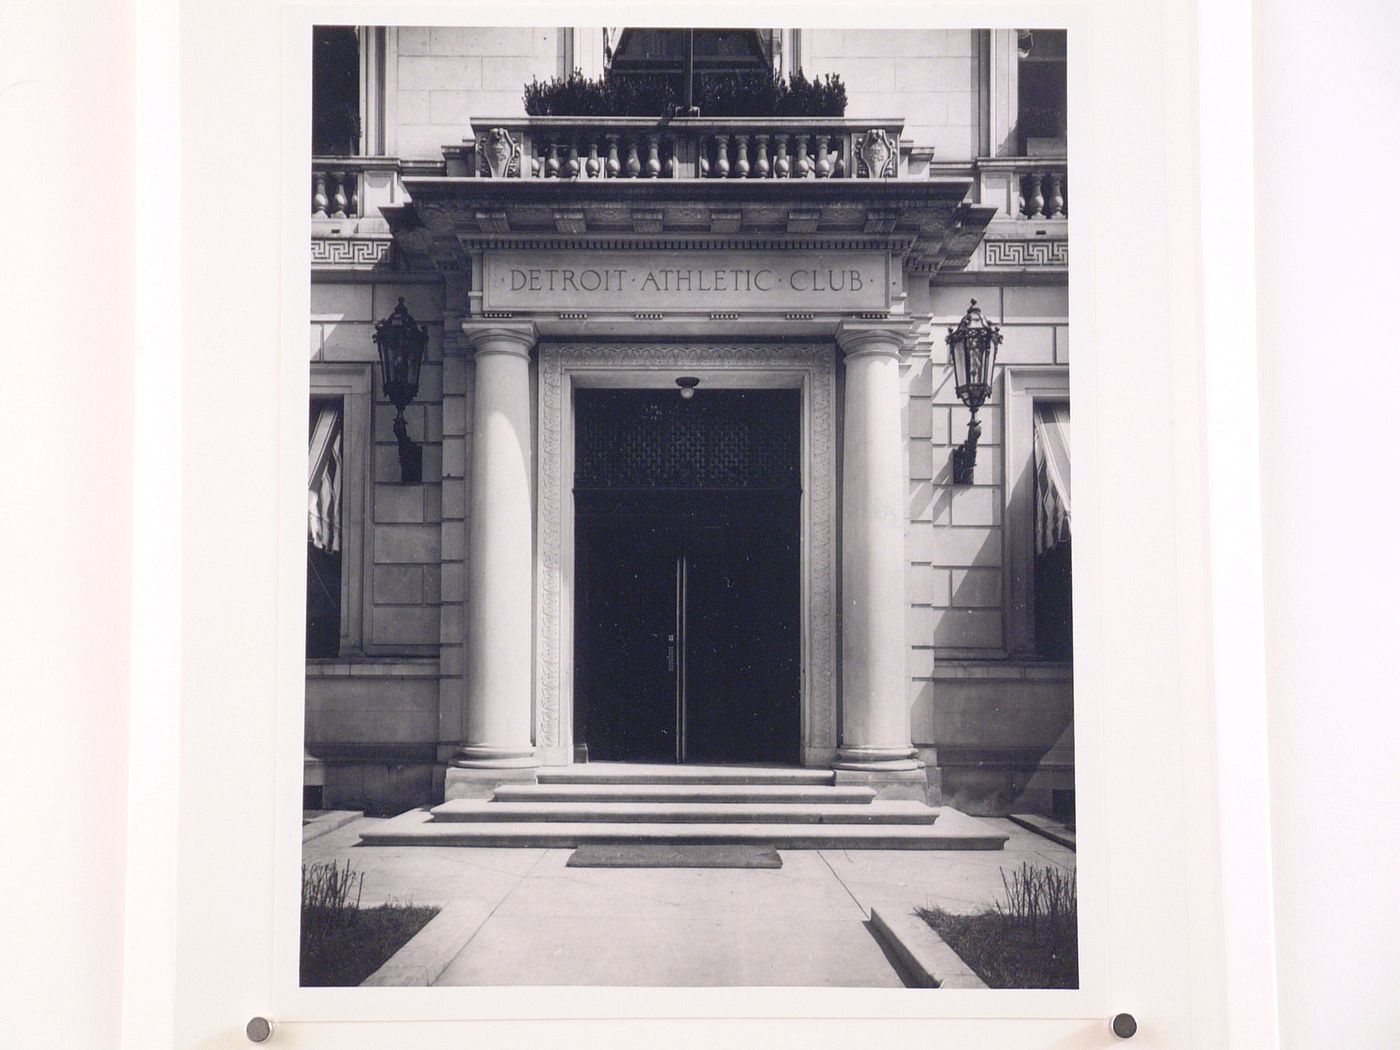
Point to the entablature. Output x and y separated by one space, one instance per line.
927 224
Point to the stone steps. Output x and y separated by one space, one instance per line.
610 804
418 828
769 794
620 773
885 812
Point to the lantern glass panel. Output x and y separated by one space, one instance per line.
958 352
976 362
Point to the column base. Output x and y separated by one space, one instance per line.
888 784
489 756
877 759
481 783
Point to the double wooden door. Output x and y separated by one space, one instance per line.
687 620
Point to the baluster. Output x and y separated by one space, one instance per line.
354 193
634 163
592 167
838 163
780 157
1035 200
1055 196
669 168
702 159
338 201
534 167
319 201
614 166
551 166
761 168
804 159
741 153
722 156
823 161
653 157
572 167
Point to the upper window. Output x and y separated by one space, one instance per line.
335 91
1054 604
1041 92
665 50
1038 603
1023 101
325 457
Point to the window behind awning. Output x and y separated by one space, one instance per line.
1051 475
323 476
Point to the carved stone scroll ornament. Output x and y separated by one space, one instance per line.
877 154
500 152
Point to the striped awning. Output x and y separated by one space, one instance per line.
323 478
1051 475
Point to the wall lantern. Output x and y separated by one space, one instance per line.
687 385
401 342
972 346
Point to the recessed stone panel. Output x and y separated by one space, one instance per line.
695 282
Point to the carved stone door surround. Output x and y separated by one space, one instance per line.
565 366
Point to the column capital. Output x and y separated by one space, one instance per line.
500 337
887 336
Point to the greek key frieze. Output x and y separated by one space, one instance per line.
349 251
1026 253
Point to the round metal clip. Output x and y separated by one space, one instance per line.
259 1030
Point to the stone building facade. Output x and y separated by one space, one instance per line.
553 260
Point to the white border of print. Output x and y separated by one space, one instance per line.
328 1004
1150 909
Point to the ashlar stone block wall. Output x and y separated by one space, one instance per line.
926 76
447 75
994 726
375 713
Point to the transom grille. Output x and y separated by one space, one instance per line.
655 439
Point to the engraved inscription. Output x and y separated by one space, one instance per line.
678 283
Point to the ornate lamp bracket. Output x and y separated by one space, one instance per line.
965 455
410 453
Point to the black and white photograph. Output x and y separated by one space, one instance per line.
689 532
667 603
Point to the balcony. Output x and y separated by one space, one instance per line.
348 229
1021 189
600 148
1035 188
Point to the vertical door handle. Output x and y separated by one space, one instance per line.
671 654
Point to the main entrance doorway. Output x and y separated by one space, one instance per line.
687 568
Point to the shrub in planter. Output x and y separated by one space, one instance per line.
737 94
800 97
733 94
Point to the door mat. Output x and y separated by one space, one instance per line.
660 855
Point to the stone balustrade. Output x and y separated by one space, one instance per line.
1027 188
687 148
1044 190
350 187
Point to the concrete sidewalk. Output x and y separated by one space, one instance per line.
529 920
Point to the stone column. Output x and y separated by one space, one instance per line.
876 745
500 565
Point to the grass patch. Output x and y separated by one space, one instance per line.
1029 939
342 943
